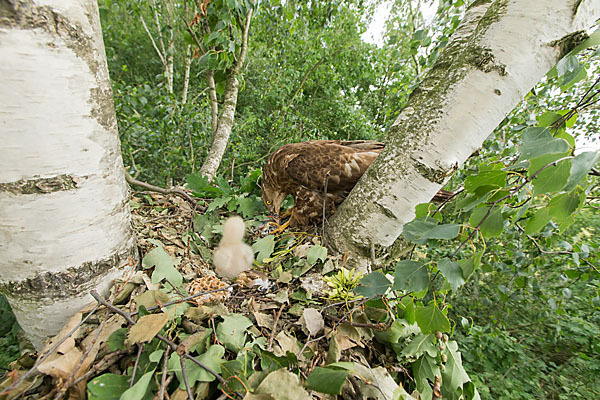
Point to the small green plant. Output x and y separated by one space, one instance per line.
343 284
243 199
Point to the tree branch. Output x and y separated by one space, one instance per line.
160 55
174 190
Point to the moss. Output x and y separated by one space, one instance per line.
40 185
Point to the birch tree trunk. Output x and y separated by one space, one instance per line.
499 52
186 76
65 225
225 121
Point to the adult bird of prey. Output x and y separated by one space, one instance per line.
308 170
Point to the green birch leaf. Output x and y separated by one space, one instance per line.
538 141
548 118
264 247
374 284
327 380
421 230
580 166
107 387
452 272
212 359
539 220
469 265
270 362
445 231
491 179
493 224
552 178
411 276
563 205
430 319
413 231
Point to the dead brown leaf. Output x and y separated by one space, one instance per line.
146 328
312 321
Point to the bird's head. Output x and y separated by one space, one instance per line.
272 198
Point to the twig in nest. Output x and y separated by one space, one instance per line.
48 353
275 319
183 300
185 379
170 343
103 364
379 326
137 361
69 381
174 190
163 380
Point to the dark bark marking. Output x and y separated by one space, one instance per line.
40 185
70 283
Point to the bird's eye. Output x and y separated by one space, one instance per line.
268 203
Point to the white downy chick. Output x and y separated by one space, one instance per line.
233 255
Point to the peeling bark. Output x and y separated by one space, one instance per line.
499 52
65 226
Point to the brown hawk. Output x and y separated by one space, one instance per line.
306 169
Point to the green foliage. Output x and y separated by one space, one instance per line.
9 329
163 264
327 380
108 386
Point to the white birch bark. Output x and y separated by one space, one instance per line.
64 212
225 121
499 52
186 76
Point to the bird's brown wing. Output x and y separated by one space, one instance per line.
341 163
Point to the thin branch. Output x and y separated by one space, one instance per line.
172 344
103 364
163 380
275 319
237 67
135 364
185 378
48 353
174 190
185 299
512 192
160 55
157 22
